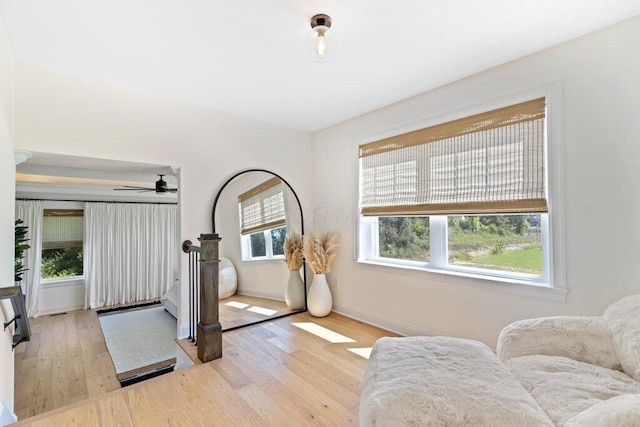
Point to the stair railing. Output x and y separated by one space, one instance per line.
204 322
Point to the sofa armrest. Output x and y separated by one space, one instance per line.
622 410
586 339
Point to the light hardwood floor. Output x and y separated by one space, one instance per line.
270 374
66 361
233 316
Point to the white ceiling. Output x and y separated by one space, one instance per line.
247 57
61 177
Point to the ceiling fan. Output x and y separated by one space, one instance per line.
161 187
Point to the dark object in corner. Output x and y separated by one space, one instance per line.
126 307
22 331
133 380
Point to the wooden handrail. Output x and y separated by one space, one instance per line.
188 246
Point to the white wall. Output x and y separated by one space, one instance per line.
600 135
61 296
7 191
67 115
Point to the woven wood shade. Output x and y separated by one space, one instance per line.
262 207
493 162
62 228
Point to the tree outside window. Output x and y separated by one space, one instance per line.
62 237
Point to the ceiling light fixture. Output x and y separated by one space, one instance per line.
321 44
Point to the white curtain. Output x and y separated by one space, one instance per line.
30 212
130 252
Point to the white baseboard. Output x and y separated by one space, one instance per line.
383 322
6 416
59 309
183 332
259 293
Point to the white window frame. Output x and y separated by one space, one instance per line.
550 285
245 246
439 252
63 205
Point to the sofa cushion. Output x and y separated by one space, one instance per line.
442 381
565 387
587 339
621 411
623 319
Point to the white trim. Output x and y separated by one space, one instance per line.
21 156
439 240
183 331
556 185
251 292
391 325
62 282
245 246
60 309
553 276
265 259
551 88
6 416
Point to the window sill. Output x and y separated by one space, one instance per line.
512 286
276 258
63 281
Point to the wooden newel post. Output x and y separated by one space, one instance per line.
209 330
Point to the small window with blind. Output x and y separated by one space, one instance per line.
468 196
263 221
62 237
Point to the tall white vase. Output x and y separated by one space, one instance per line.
294 294
319 300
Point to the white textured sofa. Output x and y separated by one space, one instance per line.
563 371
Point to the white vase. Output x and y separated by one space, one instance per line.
319 301
294 294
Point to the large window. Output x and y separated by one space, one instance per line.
405 238
265 244
504 243
466 196
263 221
62 237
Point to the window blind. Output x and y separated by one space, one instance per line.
62 228
489 163
262 207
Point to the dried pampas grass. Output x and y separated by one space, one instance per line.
293 251
320 250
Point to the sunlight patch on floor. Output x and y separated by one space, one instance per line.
364 351
261 310
324 333
236 304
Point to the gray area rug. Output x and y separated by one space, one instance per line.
140 341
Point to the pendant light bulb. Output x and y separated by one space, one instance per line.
321 48
321 43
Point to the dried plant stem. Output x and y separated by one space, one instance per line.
293 251
320 250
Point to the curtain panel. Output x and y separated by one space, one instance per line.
30 212
130 252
